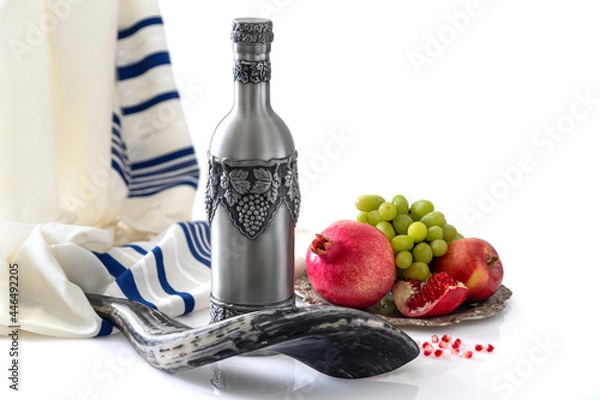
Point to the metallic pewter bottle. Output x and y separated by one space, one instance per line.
252 195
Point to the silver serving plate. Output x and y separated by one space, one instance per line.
486 309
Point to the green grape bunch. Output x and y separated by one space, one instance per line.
417 232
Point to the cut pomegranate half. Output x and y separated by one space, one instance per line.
439 295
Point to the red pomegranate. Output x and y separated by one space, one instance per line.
351 264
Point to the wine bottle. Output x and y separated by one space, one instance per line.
252 194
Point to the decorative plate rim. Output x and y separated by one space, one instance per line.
486 309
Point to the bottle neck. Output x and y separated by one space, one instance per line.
251 96
251 75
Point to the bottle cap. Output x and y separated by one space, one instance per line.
252 31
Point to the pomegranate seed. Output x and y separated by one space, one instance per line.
438 353
455 351
456 344
443 345
435 339
426 344
446 338
478 347
468 354
427 350
489 348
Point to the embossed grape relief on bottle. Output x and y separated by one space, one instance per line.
251 191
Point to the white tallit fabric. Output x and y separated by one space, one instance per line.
98 174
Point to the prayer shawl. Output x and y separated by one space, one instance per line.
98 171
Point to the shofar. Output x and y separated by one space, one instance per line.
338 342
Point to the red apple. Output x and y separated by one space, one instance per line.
476 264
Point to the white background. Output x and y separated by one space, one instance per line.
457 110
452 101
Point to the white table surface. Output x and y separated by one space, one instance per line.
460 129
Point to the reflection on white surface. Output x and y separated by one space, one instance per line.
280 377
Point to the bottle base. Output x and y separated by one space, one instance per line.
220 311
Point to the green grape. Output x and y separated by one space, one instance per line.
387 210
402 242
449 232
373 217
401 204
417 271
457 237
422 252
386 228
439 247
385 306
368 202
404 259
433 233
417 231
401 223
420 208
362 217
434 218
